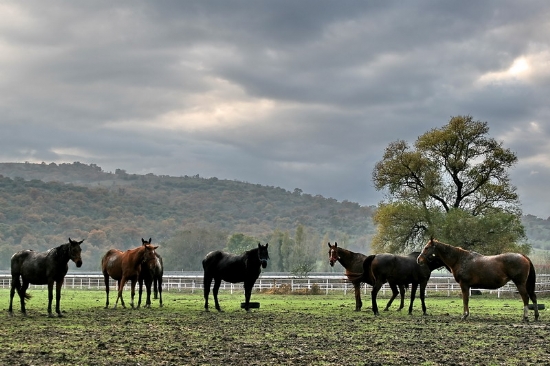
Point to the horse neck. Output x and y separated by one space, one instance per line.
61 252
345 257
252 257
448 254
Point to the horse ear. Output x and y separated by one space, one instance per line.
328 244
335 244
266 244
149 240
155 247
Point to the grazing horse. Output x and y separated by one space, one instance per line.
400 271
471 269
123 267
30 267
151 273
233 268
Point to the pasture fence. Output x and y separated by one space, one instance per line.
324 283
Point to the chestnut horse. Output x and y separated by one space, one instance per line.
233 268
123 267
471 269
151 273
398 270
353 264
46 268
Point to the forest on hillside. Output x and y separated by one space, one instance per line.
41 205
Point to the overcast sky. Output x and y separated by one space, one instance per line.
291 94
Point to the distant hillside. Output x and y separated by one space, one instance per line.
43 204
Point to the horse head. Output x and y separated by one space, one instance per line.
333 254
263 255
149 251
428 253
75 252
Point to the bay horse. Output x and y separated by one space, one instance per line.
353 265
398 271
233 268
471 269
123 267
151 273
30 267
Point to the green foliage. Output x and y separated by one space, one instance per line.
454 183
116 210
240 243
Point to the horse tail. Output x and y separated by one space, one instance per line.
368 275
532 278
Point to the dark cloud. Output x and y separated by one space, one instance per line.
296 94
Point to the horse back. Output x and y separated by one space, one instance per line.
493 271
228 267
34 268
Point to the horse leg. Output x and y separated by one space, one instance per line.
414 286
121 284
132 292
206 285
533 297
140 290
50 298
247 293
395 292
358 302
155 289
422 297
148 289
465 300
159 281
58 286
106 279
525 297
15 284
23 295
217 283
402 290
377 286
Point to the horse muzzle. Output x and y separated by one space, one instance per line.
78 263
263 262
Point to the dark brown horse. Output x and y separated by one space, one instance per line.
353 264
29 267
471 269
233 268
151 274
123 267
398 270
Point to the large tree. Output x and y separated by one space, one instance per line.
453 184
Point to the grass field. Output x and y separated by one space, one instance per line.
287 329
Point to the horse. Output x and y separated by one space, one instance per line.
398 271
123 267
471 269
30 267
151 273
233 268
353 264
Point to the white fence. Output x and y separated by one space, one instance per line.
322 283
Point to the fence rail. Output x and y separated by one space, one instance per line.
328 283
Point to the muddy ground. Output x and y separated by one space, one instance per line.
306 331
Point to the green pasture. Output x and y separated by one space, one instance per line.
287 329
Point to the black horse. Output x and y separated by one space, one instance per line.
401 271
232 268
29 267
151 273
